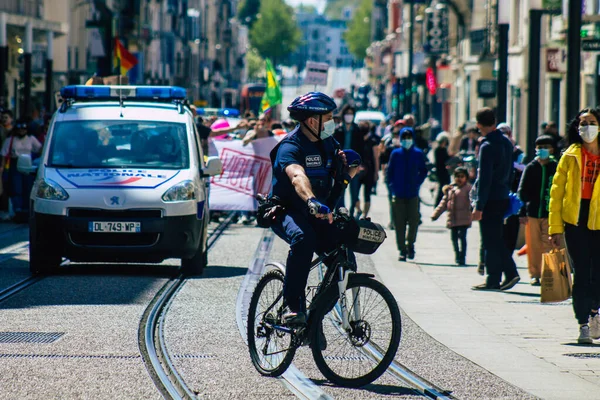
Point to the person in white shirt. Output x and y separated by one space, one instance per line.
18 184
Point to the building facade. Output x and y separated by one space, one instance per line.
27 27
197 44
322 41
466 75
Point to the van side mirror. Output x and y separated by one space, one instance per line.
25 165
214 166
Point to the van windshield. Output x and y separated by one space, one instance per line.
119 144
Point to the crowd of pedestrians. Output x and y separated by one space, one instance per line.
18 137
555 198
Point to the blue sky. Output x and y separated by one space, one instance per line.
320 4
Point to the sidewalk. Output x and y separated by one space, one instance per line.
512 335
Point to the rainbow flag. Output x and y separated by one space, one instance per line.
123 58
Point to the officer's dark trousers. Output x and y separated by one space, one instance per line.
498 259
582 245
306 236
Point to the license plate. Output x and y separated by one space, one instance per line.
115 227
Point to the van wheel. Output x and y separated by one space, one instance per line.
196 264
43 257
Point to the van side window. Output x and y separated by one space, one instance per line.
198 145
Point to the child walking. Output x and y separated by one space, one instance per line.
456 201
534 191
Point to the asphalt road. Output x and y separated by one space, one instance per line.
89 316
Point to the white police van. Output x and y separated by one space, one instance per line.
122 178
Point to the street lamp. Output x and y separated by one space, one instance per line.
503 26
574 58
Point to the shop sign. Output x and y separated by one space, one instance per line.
590 45
431 81
486 88
556 60
437 31
478 41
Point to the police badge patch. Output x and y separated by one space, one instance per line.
313 161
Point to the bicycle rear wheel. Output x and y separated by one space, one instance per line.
271 350
357 357
428 191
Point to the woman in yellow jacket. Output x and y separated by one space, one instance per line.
575 211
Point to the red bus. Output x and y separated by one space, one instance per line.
251 97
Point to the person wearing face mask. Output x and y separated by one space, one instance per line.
534 192
306 164
349 136
575 212
387 145
406 173
491 200
19 185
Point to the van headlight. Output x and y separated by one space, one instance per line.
49 190
183 191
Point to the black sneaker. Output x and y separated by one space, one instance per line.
294 318
509 283
485 286
411 253
402 256
481 269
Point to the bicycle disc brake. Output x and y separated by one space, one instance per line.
361 333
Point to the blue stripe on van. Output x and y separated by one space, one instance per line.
200 212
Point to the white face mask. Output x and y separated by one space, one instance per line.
348 118
588 133
328 129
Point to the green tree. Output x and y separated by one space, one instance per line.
256 65
334 8
275 34
247 11
358 35
307 9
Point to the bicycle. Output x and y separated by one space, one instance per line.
429 189
334 314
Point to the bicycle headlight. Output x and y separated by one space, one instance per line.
183 191
49 190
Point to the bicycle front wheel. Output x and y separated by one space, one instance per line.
357 356
271 350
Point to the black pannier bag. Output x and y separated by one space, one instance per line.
363 236
270 209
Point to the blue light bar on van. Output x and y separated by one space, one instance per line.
229 112
82 92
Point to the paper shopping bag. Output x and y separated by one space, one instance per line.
556 276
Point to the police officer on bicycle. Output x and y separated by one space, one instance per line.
308 170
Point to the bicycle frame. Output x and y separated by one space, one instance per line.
341 262
340 268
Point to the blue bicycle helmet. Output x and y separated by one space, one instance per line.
312 103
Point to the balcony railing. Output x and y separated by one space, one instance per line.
29 8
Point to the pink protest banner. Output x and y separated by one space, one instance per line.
246 172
